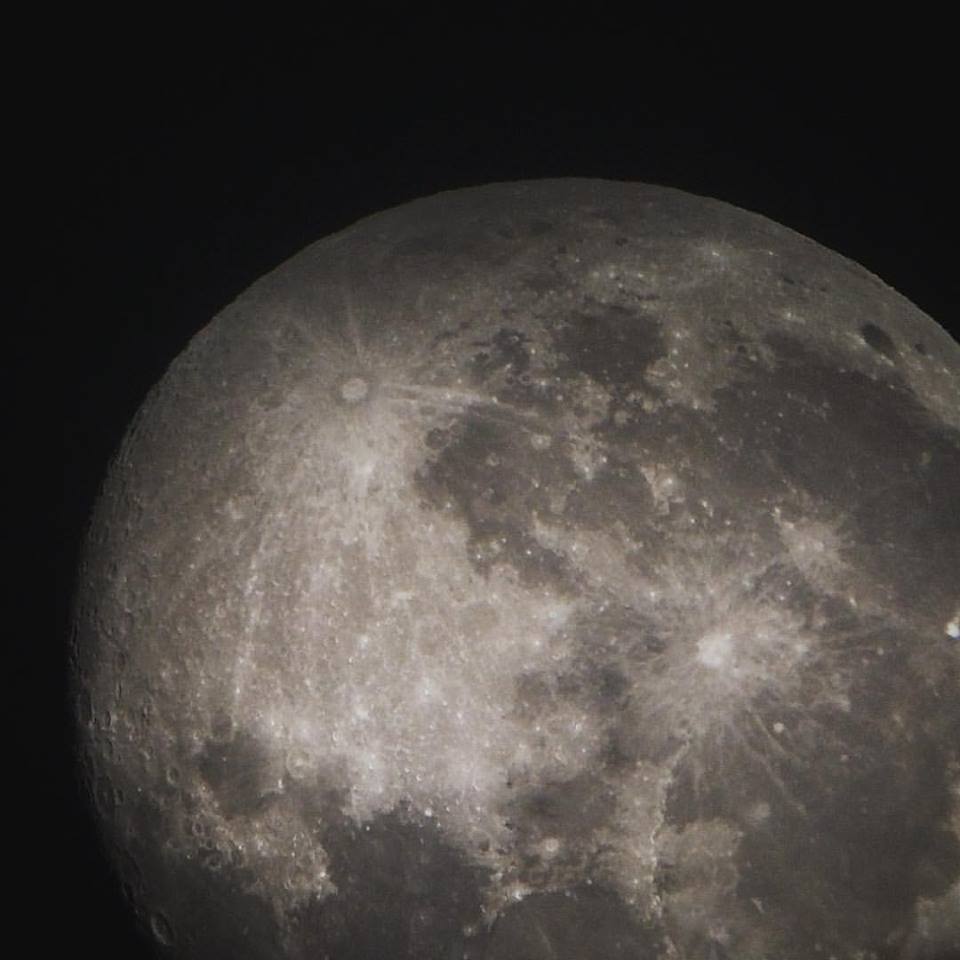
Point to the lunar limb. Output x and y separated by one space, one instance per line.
563 568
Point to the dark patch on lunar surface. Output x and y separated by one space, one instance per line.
237 771
211 916
569 809
850 844
185 907
506 351
878 338
402 892
496 481
569 925
585 591
616 490
853 847
864 446
613 345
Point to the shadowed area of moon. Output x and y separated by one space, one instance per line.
555 569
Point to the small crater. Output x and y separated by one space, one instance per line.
147 711
161 929
210 857
354 390
879 340
550 847
299 763
437 438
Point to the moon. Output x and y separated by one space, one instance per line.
549 569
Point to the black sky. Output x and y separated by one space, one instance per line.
181 168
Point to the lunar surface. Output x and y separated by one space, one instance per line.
548 570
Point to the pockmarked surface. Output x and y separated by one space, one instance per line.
554 569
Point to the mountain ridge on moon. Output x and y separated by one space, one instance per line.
546 569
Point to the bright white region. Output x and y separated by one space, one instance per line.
354 390
715 649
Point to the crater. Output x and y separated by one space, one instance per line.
715 650
878 339
354 390
160 927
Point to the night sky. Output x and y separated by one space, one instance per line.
181 168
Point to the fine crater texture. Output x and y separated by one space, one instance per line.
546 570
